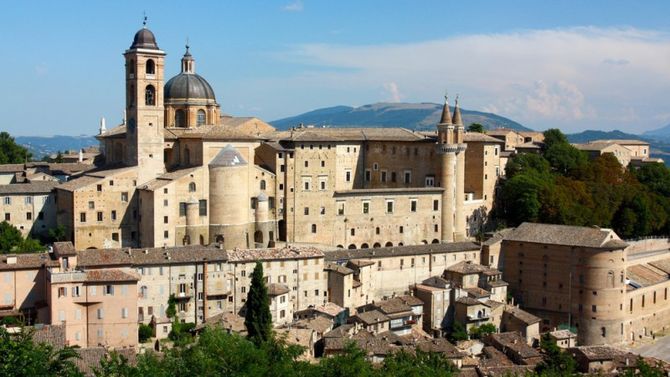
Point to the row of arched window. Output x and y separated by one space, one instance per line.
150 67
180 118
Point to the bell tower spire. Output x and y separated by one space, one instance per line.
187 61
144 105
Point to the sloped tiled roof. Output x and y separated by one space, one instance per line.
36 187
566 235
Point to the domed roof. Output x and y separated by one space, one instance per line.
189 86
144 38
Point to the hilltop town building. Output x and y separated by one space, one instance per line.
178 172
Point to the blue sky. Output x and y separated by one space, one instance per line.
569 64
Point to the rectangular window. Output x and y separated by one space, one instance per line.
29 215
202 207
182 209
99 188
115 236
109 290
430 181
322 184
29 200
393 177
8 216
412 205
368 175
124 312
306 211
101 313
340 208
389 206
366 207
62 292
383 176
91 205
408 177
165 202
347 175
82 217
436 205
99 214
165 220
166 234
323 210
401 229
124 197
75 291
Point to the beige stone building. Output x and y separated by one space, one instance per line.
30 207
608 290
636 152
179 172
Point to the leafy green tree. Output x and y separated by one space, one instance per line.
643 369
476 127
21 356
554 136
458 332
258 319
10 152
144 332
171 311
351 362
10 237
521 196
528 163
115 365
556 362
417 364
59 157
483 330
565 158
11 240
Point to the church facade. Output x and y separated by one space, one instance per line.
178 172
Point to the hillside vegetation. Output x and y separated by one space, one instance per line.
561 186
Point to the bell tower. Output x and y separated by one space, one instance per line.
144 105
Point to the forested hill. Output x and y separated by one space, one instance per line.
415 116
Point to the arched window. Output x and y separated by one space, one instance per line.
191 187
219 238
151 67
180 118
202 240
150 96
131 67
144 291
201 117
262 184
389 244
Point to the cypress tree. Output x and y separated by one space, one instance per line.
258 319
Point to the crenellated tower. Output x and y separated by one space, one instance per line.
144 105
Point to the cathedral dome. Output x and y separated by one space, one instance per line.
144 39
188 86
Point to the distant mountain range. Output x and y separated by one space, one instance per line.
662 133
40 145
414 116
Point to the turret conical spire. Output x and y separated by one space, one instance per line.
446 114
457 120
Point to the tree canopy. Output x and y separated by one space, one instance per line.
562 186
476 127
10 152
11 240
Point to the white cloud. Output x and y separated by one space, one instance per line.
296 6
392 91
568 78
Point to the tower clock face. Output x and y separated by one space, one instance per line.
131 125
